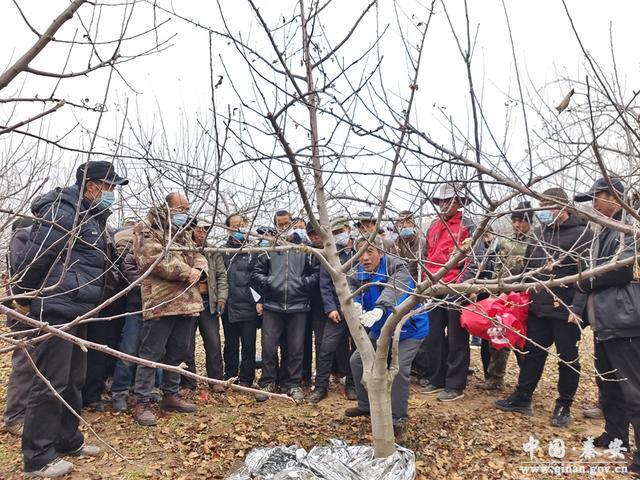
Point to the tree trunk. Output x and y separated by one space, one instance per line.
379 392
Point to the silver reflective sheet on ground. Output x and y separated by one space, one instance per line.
336 461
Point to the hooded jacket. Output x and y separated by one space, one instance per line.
71 258
166 290
561 251
395 273
612 298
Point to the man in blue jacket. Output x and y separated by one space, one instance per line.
70 270
377 304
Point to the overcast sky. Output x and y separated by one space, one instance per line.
172 87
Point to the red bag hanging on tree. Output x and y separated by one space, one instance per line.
502 320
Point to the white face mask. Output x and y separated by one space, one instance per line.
342 239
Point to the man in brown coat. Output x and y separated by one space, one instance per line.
171 301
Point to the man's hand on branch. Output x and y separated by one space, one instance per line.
334 316
573 318
23 309
367 319
194 276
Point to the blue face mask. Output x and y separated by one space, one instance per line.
239 235
263 243
106 200
407 232
180 219
545 216
299 235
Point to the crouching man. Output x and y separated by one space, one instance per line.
171 302
376 268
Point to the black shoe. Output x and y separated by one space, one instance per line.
320 393
450 395
561 416
351 393
604 440
263 397
95 406
514 403
430 389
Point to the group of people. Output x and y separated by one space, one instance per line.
157 284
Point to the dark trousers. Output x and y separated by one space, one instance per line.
18 388
274 325
316 320
620 393
494 361
235 335
421 365
333 339
209 326
50 428
164 340
566 337
449 353
407 349
100 365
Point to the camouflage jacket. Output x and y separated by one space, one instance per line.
510 256
166 291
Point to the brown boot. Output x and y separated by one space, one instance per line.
217 388
175 403
355 412
491 384
143 415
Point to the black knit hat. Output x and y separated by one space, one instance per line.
522 212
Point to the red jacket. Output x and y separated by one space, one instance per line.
443 237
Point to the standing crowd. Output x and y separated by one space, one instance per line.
158 284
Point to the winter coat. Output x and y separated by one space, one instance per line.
15 256
285 280
509 255
241 306
443 239
166 291
330 301
570 240
394 272
124 245
73 256
411 250
217 282
612 298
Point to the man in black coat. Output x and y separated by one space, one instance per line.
285 280
69 272
613 311
561 250
240 318
336 329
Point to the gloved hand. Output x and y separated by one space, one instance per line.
367 319
357 307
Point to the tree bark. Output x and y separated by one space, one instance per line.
378 385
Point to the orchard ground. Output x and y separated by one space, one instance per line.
467 439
